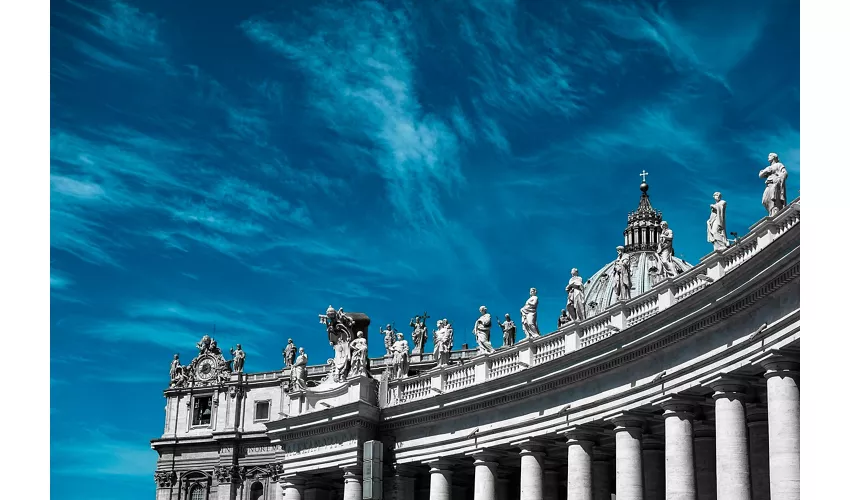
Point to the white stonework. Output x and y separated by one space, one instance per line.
656 396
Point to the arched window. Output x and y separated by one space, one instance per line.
197 493
257 491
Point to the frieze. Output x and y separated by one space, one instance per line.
252 449
321 430
321 444
743 303
228 473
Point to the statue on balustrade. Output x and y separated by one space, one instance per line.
481 331
563 319
175 367
529 315
775 175
717 223
401 357
665 252
622 275
389 338
238 358
289 354
340 337
298 375
443 342
420 333
575 296
359 356
508 331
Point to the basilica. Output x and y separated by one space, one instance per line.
664 380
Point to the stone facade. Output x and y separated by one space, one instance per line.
688 390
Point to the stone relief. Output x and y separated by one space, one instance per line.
529 315
420 333
165 479
340 337
508 331
401 357
289 353
775 175
227 473
481 331
622 275
717 223
443 342
575 296
359 356
298 375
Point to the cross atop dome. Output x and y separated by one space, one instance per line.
644 186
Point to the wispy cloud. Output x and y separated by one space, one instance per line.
94 452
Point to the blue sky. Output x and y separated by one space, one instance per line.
244 166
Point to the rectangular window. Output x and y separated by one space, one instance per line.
261 410
202 410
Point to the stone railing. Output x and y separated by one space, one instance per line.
532 352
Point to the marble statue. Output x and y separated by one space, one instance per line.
717 223
359 356
563 319
420 333
298 376
175 366
775 175
481 331
389 338
238 358
529 315
665 252
622 275
340 337
443 342
508 331
575 297
401 357
289 354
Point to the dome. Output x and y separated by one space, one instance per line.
599 290
641 238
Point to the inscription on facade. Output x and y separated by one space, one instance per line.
253 449
321 444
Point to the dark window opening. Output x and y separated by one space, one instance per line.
202 411
256 491
261 410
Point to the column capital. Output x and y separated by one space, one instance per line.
352 472
627 422
579 435
485 457
678 405
530 447
726 386
440 466
779 363
296 480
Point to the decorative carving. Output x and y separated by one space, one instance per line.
228 473
340 337
529 315
275 471
665 252
165 479
359 356
481 331
622 275
208 368
238 358
508 331
298 375
717 223
775 175
575 296
420 333
443 342
401 357
289 353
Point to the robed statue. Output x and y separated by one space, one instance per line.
529 315
401 357
443 342
508 331
481 331
717 223
775 175
359 356
298 375
665 251
622 275
575 297
340 337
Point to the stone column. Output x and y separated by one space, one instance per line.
401 484
293 488
652 448
486 476
441 480
783 407
679 468
628 432
601 475
504 485
757 439
353 488
733 468
580 465
704 460
551 481
315 490
531 471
